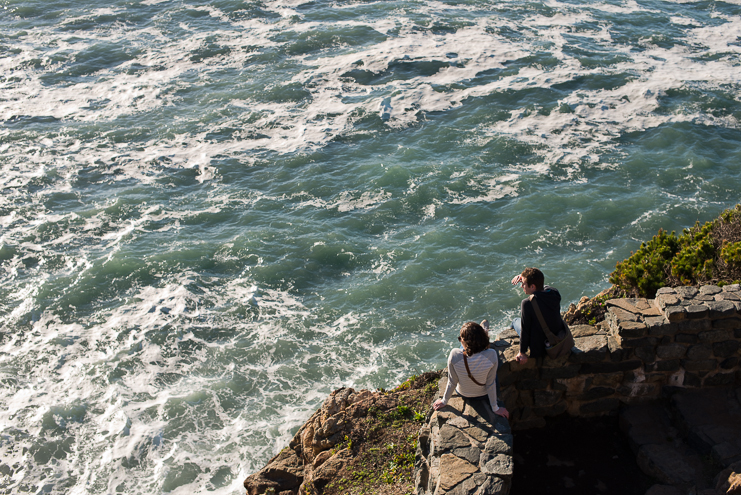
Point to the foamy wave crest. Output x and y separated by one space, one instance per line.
172 391
570 88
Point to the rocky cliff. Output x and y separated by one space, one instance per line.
646 354
358 441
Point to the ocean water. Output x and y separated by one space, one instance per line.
214 213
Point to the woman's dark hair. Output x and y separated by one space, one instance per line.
474 338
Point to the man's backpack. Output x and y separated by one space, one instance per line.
561 344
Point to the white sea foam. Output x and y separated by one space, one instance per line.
599 117
128 420
491 189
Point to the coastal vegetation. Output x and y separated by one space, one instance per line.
708 253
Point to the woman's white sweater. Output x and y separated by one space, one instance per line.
483 366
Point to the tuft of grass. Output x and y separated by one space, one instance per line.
407 384
346 443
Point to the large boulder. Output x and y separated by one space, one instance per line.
292 470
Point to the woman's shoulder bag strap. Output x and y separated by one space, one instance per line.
551 337
468 370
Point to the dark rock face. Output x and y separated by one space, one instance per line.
284 472
672 438
576 456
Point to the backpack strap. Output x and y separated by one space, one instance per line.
551 338
468 370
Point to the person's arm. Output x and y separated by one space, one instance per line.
491 386
452 383
517 279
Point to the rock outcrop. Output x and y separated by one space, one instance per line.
464 448
312 458
356 440
687 338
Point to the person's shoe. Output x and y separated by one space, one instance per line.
485 325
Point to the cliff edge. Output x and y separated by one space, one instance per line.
646 355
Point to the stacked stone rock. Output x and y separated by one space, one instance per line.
699 335
464 449
686 337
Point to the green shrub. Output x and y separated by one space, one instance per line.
731 253
702 254
694 261
644 271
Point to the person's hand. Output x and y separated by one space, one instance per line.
521 358
503 412
517 280
439 404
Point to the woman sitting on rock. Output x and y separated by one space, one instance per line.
472 371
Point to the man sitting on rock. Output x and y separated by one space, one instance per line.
472 371
527 326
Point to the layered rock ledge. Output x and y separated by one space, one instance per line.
687 337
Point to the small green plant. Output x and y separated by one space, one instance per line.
419 416
723 282
431 387
403 410
731 253
346 443
387 477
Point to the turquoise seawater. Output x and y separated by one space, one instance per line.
212 214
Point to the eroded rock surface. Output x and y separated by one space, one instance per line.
311 459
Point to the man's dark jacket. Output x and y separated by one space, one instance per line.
549 302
